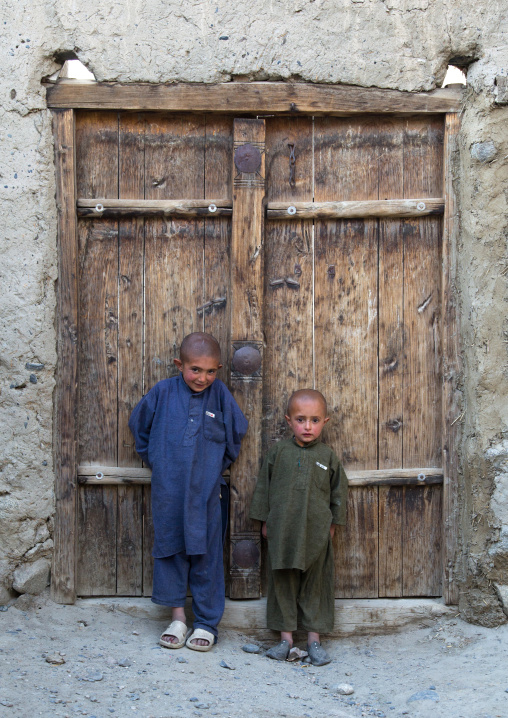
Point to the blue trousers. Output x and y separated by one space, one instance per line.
202 573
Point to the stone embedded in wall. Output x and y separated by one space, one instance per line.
502 592
502 90
32 577
483 151
497 456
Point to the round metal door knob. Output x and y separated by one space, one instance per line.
245 554
248 158
246 360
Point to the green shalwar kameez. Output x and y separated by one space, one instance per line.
300 492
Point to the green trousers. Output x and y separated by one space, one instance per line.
302 599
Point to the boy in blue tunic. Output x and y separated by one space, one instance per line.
188 430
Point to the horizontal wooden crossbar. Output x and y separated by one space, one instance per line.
250 98
97 208
346 210
121 475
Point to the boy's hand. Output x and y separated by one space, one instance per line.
263 529
332 530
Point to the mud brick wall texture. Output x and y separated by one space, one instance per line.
398 44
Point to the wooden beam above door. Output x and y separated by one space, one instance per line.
250 98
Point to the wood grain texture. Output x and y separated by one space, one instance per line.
356 546
390 541
246 288
252 97
422 536
288 309
97 524
451 366
63 574
351 210
174 167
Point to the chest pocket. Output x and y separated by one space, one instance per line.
214 429
321 476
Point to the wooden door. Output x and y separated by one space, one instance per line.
301 258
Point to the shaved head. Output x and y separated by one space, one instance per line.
304 394
199 344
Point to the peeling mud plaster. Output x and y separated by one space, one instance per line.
391 44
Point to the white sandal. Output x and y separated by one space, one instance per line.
179 630
200 633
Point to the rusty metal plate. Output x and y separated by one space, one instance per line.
246 360
245 554
248 158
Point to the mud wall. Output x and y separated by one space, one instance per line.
400 44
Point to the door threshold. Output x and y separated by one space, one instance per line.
353 616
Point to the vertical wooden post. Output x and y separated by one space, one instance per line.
63 585
451 367
247 345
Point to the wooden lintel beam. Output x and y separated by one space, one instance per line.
250 98
350 210
97 208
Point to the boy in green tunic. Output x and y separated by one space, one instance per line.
300 496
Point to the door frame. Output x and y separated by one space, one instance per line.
254 100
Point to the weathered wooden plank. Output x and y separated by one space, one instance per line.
252 97
451 366
349 210
174 166
288 282
346 266
100 207
97 525
97 172
422 535
247 331
63 574
346 337
422 298
131 236
390 541
391 284
218 183
391 356
356 546
129 541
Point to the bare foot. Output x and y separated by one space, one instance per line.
200 642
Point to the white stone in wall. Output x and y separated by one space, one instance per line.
32 577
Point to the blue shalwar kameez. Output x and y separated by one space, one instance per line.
188 439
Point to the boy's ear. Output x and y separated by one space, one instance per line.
288 418
178 363
327 419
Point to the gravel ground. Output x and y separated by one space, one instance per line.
110 664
